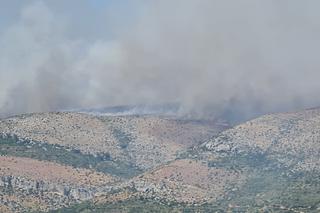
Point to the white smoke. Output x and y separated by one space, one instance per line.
231 58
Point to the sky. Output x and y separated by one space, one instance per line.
234 59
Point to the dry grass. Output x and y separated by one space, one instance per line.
188 181
51 172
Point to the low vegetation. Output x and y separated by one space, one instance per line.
10 145
122 137
138 205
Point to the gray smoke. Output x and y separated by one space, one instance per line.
214 58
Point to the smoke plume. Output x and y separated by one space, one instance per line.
214 58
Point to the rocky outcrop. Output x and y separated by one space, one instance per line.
51 195
41 185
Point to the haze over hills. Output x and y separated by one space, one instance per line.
83 162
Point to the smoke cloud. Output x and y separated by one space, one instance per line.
235 59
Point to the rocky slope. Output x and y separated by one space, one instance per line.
187 181
28 184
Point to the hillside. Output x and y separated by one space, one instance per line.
120 147
281 154
138 142
160 164
291 138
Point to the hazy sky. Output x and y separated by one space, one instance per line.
235 58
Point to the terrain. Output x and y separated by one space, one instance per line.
84 162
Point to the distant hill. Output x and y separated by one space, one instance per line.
125 110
